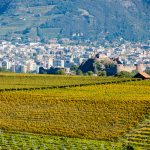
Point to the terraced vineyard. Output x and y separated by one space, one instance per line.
103 116
42 142
140 135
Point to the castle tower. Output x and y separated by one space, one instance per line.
140 67
119 68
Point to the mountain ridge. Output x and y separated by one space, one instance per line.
75 19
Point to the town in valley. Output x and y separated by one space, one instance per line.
28 58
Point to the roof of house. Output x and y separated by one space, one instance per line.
144 74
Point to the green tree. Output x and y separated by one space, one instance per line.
124 74
127 147
3 69
102 73
133 73
60 72
147 71
90 73
98 67
74 68
79 72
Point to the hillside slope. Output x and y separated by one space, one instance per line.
86 19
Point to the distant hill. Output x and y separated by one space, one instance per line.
78 19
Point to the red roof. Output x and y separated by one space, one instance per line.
144 74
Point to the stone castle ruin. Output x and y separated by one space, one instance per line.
137 67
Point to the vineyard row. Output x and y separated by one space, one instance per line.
69 86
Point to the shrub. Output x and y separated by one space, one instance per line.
124 74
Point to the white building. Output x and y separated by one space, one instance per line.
24 69
6 64
31 66
59 63
50 62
